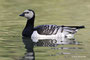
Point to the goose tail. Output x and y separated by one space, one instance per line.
80 27
77 27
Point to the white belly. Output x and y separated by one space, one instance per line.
36 35
59 36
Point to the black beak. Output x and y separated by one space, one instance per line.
21 14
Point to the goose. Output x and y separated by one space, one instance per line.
46 31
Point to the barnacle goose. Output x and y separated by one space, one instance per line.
46 31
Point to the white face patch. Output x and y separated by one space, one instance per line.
28 14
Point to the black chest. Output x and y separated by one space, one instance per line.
27 32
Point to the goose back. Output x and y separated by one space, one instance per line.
47 29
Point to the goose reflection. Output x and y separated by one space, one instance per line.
30 43
53 42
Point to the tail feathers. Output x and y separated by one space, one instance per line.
80 27
77 27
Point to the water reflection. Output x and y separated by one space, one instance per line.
53 43
29 55
67 48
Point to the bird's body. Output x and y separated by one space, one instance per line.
46 31
54 31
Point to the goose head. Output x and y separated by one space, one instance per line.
28 14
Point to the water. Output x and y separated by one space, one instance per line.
53 44
29 46
58 12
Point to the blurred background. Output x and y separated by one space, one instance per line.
58 12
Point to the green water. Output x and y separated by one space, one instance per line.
59 12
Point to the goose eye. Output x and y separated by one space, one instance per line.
26 12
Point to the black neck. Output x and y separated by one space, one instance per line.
30 23
28 30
